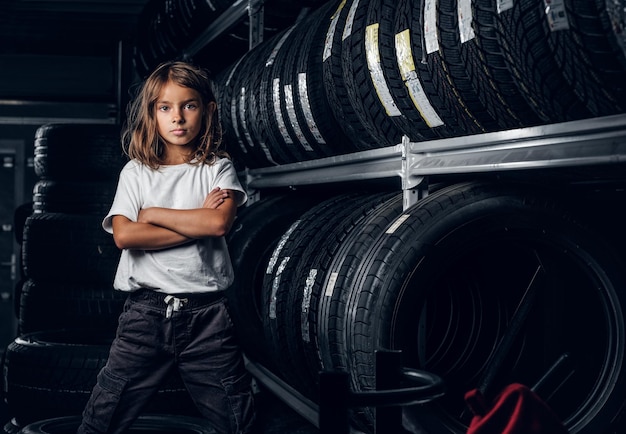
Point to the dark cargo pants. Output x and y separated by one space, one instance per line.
197 339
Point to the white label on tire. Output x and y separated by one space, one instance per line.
372 54
275 285
262 144
276 49
347 30
303 93
233 117
412 82
464 10
330 287
278 112
293 118
556 15
330 35
503 5
394 227
430 26
243 117
306 303
279 247
231 74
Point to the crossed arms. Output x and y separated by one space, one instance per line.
159 228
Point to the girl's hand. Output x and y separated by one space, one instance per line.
215 198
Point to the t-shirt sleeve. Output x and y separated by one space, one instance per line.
127 197
227 179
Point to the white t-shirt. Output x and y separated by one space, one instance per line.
199 266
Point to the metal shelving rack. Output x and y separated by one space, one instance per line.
576 144
588 142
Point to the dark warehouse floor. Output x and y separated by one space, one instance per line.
274 416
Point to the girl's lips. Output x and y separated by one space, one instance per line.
178 132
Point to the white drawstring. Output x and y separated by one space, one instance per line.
174 304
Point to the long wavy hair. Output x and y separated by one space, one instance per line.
140 137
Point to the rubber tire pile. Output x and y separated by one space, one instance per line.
356 75
325 276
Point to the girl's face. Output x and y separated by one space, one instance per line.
179 116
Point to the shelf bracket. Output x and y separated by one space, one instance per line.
257 22
414 188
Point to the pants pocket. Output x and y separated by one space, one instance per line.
241 400
103 401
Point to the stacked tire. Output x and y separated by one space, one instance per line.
68 260
441 281
68 309
360 74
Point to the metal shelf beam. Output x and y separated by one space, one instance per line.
594 141
287 394
359 166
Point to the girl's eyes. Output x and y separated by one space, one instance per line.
165 108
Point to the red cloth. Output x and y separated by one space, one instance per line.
516 410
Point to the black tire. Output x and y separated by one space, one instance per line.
524 35
52 373
305 295
250 243
158 423
245 114
48 306
289 278
487 64
224 92
415 118
60 247
334 84
313 111
475 90
428 96
78 152
443 286
279 276
277 99
337 283
73 197
589 56
301 145
363 88
271 154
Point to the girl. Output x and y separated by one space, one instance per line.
176 199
